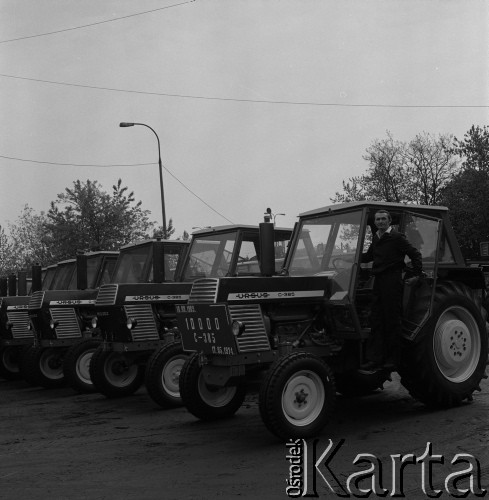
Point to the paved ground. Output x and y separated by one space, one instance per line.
55 444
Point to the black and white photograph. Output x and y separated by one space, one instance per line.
244 249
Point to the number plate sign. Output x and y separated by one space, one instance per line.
206 328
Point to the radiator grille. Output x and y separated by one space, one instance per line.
20 321
36 300
106 295
204 291
255 336
146 328
68 327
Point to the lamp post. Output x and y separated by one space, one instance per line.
163 215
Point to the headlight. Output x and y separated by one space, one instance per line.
131 323
9 325
53 324
238 328
94 322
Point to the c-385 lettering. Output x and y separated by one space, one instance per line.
206 337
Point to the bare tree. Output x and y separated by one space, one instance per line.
430 165
401 172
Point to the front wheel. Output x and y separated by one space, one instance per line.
298 396
49 363
163 373
76 365
114 374
208 402
447 363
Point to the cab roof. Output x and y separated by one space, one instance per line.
377 205
88 254
153 240
232 227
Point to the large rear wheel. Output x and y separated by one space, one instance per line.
298 396
445 365
208 402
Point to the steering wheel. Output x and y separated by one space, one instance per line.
336 260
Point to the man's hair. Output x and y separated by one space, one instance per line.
382 211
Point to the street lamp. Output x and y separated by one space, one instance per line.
163 216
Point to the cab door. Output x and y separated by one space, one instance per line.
424 233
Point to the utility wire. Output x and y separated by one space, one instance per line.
75 164
118 165
96 23
198 197
259 101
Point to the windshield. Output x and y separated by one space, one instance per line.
48 278
327 245
210 256
93 264
171 256
106 274
64 272
131 264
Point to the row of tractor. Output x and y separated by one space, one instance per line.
201 323
99 322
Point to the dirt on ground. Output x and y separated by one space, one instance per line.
56 444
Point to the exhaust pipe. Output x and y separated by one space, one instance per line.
267 247
36 278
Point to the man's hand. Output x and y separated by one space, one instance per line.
412 281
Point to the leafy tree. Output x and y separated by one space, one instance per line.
412 172
466 194
170 230
27 240
87 218
7 255
474 148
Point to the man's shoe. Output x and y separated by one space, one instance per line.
389 364
369 368
367 365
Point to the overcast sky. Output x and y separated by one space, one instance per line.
257 103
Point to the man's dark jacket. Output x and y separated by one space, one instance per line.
388 252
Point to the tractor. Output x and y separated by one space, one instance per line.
61 316
301 336
16 335
137 319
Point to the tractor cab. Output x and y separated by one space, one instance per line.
330 242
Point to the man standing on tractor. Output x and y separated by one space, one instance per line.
387 252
